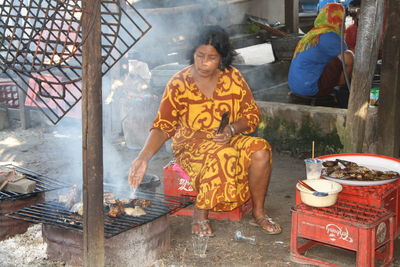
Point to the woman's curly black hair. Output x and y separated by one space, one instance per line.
217 37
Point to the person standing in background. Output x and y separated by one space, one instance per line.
351 30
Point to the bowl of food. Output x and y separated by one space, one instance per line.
326 192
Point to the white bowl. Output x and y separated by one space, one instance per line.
321 185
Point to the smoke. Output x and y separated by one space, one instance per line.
67 146
130 103
174 23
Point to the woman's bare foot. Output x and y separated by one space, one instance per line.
201 224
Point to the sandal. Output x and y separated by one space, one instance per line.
268 229
204 226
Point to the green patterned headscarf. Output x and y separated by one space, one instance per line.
330 19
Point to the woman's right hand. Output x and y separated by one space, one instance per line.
137 171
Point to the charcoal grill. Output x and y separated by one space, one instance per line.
43 184
55 213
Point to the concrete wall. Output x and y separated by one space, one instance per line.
292 128
329 119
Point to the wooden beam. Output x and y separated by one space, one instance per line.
368 40
389 99
24 113
92 138
292 16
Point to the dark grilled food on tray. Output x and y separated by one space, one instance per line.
343 169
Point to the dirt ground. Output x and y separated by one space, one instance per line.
55 151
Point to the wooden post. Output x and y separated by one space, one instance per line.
24 114
92 139
368 40
292 16
389 99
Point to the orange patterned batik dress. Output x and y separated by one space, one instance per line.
219 173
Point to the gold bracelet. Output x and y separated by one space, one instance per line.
233 131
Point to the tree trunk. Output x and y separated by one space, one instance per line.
389 99
368 39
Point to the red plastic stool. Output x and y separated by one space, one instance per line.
176 183
369 231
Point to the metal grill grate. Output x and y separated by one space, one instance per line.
41 47
43 184
55 213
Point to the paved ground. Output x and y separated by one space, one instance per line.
56 152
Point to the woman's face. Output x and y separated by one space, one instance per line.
206 60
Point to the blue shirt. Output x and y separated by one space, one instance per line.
306 68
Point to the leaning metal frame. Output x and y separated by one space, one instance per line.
41 47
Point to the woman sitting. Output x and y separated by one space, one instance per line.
226 168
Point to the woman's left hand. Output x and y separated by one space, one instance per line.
224 137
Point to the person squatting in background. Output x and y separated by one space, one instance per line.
316 67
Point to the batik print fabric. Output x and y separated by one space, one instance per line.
219 173
330 19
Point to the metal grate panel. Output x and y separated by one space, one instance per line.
41 47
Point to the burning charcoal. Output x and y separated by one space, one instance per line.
135 212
